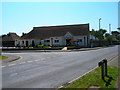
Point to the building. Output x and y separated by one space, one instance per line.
62 35
9 39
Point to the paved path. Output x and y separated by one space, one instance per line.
10 58
50 70
114 61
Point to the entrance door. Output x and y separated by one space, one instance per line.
26 43
68 42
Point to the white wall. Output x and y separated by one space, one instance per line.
84 42
62 41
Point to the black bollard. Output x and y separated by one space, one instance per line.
102 69
105 63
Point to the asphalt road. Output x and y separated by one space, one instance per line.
51 69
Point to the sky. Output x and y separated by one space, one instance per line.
21 17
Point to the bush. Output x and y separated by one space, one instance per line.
30 47
39 46
46 46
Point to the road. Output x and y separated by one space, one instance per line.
51 69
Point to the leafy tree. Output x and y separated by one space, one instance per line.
107 35
116 34
94 33
101 33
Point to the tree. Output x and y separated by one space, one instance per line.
108 37
116 34
94 33
101 33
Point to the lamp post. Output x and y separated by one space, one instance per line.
99 31
110 29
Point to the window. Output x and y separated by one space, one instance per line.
47 41
80 40
56 41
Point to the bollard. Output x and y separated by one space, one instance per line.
105 64
102 69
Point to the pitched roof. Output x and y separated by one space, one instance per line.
10 37
55 31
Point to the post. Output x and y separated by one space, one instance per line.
105 63
102 69
99 31
110 29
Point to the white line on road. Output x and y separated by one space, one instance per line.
11 64
22 62
37 60
29 61
3 66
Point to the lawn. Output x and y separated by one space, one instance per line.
94 79
2 57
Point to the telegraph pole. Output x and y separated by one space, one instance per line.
99 31
110 29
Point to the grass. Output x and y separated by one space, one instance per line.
94 79
2 57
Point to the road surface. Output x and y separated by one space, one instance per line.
51 69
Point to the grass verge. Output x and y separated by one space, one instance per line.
2 57
93 79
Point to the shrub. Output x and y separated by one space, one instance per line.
39 46
30 47
46 46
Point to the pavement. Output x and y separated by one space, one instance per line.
51 69
10 58
114 61
37 50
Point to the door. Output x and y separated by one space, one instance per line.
68 42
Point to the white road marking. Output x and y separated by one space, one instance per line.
11 64
29 61
3 66
22 62
37 60
21 58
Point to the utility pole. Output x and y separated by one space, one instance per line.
110 29
99 31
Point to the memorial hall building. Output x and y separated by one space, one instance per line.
62 35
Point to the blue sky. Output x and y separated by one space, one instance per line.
21 17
